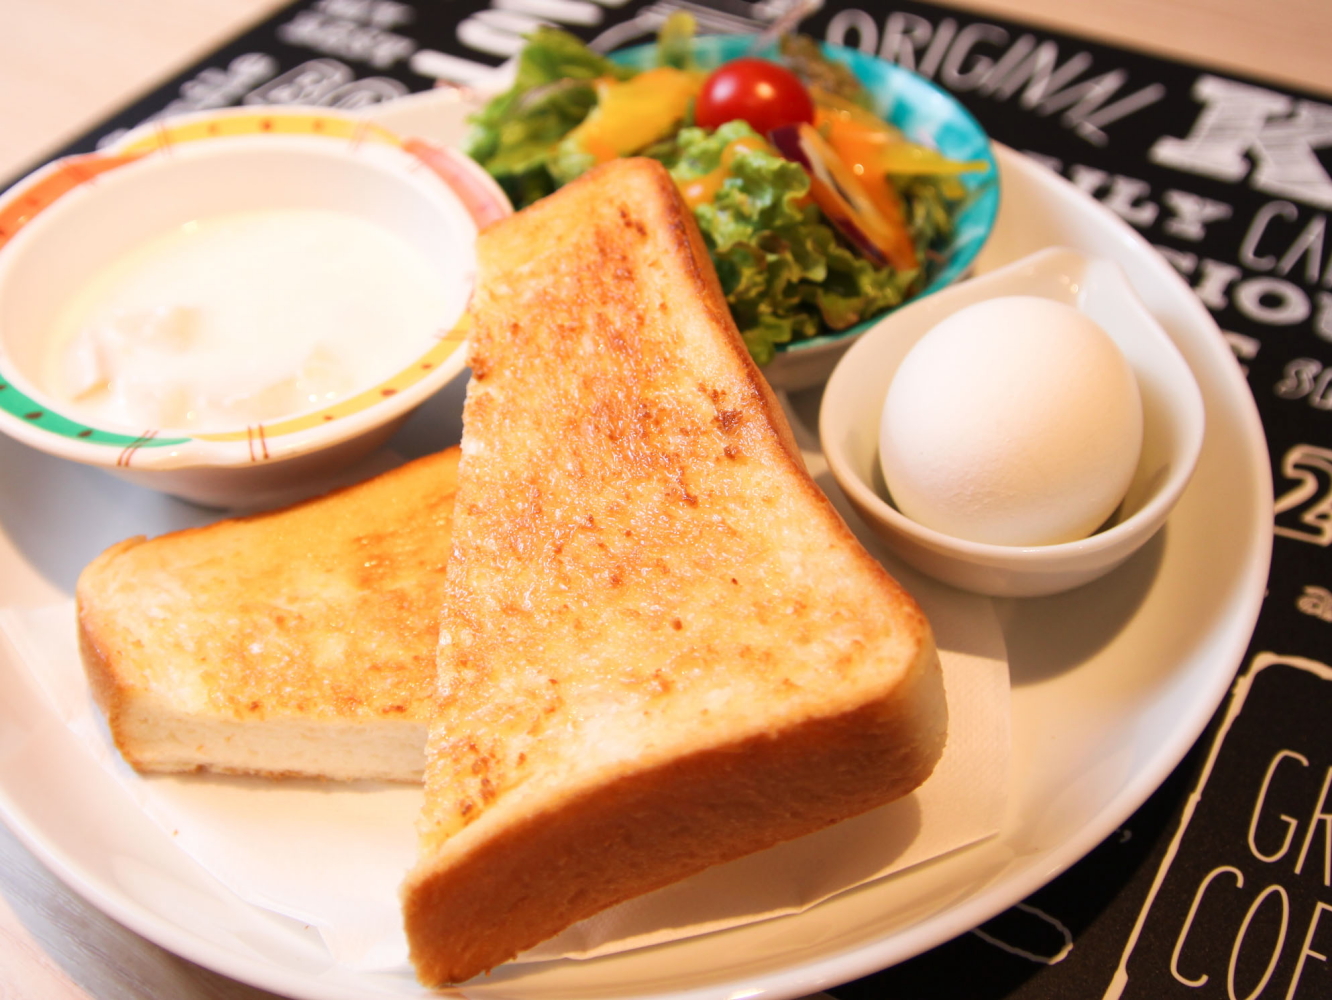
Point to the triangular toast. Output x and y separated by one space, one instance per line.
299 642
660 647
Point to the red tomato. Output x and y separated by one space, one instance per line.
762 93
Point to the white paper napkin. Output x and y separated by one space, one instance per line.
332 855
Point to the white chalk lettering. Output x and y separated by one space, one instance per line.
1127 200
1217 276
218 88
1308 246
1311 468
1229 124
1181 260
1007 64
1305 255
211 88
1190 214
1280 893
365 92
308 83
1092 126
1264 299
1319 818
1298 378
1188 921
1274 301
1323 316
1291 822
856 29
943 37
1248 252
1040 73
1125 197
496 32
345 38
1244 347
1239 121
903 34
1306 949
973 58
1066 935
1306 378
1316 602
386 14
952 74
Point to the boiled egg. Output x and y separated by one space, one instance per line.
1014 421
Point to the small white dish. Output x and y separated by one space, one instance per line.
1173 424
66 221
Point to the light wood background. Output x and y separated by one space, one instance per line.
66 64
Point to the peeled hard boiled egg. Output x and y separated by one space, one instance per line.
1015 421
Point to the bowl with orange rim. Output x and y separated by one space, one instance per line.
234 305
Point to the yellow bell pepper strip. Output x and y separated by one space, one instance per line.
632 114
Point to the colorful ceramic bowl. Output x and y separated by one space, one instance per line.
927 115
66 221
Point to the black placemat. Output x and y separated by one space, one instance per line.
1221 884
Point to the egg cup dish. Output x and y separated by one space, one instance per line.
1172 417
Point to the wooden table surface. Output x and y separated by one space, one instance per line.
66 64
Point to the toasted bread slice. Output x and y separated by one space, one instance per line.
299 642
660 647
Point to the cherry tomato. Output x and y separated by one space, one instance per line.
762 93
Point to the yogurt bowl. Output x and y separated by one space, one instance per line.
1172 424
82 225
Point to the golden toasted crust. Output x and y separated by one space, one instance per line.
660 646
320 615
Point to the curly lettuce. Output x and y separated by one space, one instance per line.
786 274
516 133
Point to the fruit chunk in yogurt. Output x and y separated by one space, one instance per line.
246 317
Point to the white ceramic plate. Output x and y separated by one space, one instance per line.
1112 683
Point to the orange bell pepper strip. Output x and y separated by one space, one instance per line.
858 149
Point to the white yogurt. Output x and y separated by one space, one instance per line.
246 317
1015 421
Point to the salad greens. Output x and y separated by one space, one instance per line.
785 272
788 274
514 134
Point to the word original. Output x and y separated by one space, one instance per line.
986 60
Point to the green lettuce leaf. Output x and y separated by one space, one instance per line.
675 41
786 273
516 133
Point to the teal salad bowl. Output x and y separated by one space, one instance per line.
927 115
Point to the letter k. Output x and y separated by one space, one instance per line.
1237 119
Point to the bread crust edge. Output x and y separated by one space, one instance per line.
651 827
109 690
109 669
